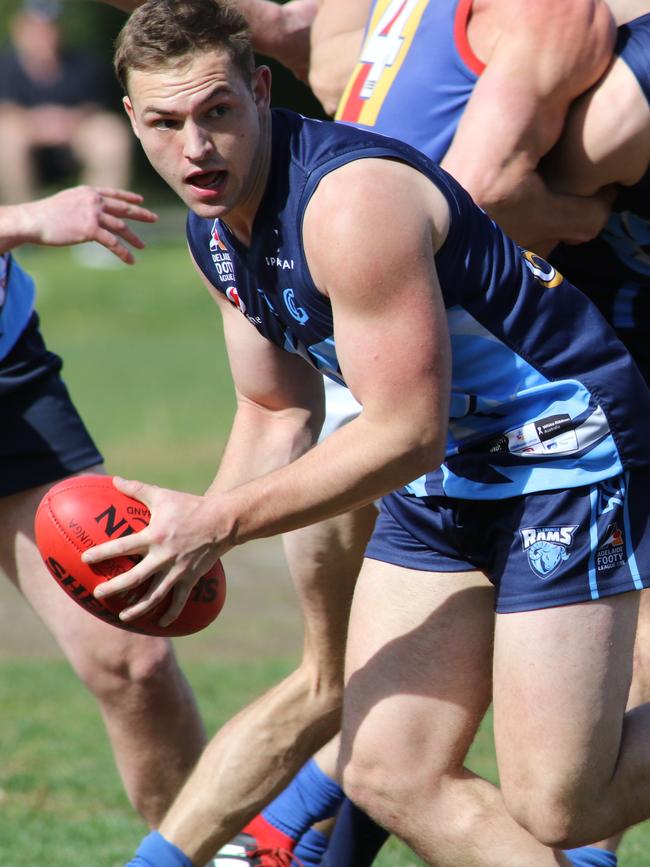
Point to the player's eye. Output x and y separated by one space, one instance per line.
165 123
217 110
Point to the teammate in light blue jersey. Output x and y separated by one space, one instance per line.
392 266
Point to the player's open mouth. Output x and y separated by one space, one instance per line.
207 180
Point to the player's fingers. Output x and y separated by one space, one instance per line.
110 241
119 227
161 586
138 490
154 595
125 581
134 543
116 193
180 596
132 212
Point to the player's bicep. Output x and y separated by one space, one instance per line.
375 260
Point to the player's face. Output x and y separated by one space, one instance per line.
204 129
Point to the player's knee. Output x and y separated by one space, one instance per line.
142 665
105 139
552 815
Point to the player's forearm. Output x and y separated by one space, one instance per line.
18 225
352 467
331 65
261 442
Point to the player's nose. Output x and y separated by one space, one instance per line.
197 143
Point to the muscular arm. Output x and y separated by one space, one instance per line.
278 30
606 138
538 64
336 38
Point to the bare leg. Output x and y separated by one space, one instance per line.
574 766
102 144
17 174
148 707
254 756
418 682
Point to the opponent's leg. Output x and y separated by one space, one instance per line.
18 179
256 753
418 682
574 766
148 707
103 145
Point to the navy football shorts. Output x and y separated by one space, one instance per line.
42 437
540 550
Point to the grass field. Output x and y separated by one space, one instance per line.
145 362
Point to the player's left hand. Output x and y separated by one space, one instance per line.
179 545
85 213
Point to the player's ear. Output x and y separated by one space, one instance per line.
128 108
261 86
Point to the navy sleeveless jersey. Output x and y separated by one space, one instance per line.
544 396
614 268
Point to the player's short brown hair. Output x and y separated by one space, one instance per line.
161 33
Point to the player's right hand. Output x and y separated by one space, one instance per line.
86 213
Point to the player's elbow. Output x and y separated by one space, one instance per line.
423 449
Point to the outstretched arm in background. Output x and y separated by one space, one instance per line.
74 216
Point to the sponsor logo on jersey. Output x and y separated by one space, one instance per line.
279 262
612 551
541 270
298 313
546 548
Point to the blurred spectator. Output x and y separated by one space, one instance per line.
53 110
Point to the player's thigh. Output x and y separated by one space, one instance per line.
418 666
561 681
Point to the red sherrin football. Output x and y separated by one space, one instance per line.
84 511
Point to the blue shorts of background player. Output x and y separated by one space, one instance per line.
540 550
42 437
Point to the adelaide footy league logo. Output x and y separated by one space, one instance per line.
546 547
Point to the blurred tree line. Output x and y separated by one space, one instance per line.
95 24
